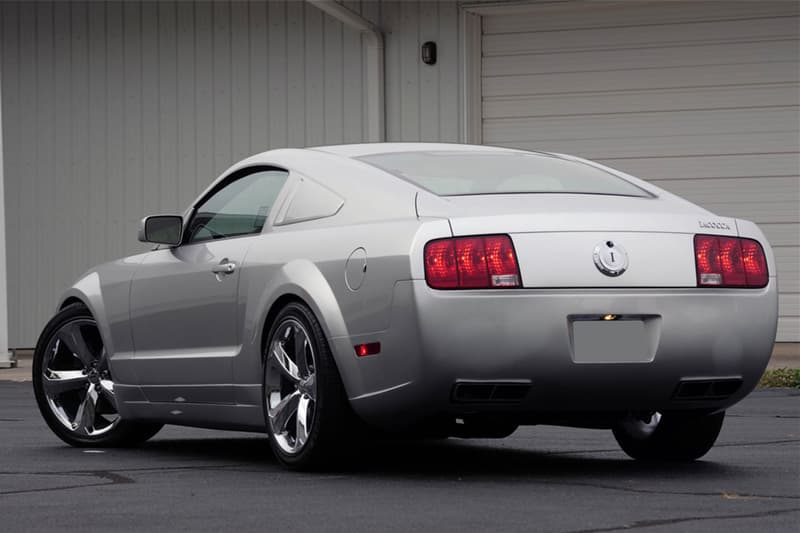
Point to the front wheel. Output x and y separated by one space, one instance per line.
668 437
74 387
308 417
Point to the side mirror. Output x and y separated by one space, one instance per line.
161 229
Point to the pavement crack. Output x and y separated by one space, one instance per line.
757 443
763 416
107 479
674 492
115 478
117 470
640 524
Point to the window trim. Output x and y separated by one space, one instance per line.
234 176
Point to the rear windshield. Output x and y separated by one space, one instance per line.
465 173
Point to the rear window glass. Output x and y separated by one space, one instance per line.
466 173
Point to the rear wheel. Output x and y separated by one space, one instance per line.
307 413
74 387
668 437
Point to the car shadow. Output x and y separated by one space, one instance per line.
470 459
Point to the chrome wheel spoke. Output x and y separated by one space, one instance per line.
87 412
310 386
106 389
642 428
300 344
72 338
283 412
285 364
303 420
57 382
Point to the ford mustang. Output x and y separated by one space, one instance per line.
424 289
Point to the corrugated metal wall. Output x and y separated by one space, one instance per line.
113 110
701 100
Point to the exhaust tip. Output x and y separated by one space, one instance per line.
706 389
489 392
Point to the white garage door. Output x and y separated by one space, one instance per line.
700 98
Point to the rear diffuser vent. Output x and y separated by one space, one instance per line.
492 392
707 389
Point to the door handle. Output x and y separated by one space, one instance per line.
224 267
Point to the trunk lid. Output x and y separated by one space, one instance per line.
582 240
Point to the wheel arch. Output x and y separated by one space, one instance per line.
87 292
269 320
301 281
72 300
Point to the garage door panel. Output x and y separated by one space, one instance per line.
622 125
790 303
788 329
641 58
637 36
620 15
788 261
659 146
785 234
709 166
701 98
762 200
641 101
775 211
735 190
653 78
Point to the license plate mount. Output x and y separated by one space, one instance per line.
611 341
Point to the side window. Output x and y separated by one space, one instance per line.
239 208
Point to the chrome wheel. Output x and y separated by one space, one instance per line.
76 379
290 385
641 428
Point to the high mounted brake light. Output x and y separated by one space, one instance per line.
481 262
729 262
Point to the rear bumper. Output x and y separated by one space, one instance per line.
439 338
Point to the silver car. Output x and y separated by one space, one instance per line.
429 289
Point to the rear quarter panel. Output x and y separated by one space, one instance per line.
307 261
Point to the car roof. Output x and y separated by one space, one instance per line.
365 149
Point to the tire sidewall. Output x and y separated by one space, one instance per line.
678 437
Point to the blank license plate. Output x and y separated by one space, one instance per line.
611 341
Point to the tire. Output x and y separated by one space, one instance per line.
306 410
671 437
74 387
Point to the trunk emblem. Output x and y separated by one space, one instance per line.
610 258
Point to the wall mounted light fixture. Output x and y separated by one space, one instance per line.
429 53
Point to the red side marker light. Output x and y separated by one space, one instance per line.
371 348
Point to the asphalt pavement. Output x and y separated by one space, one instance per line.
539 479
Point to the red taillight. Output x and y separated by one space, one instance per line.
729 262
755 263
471 263
440 264
484 262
